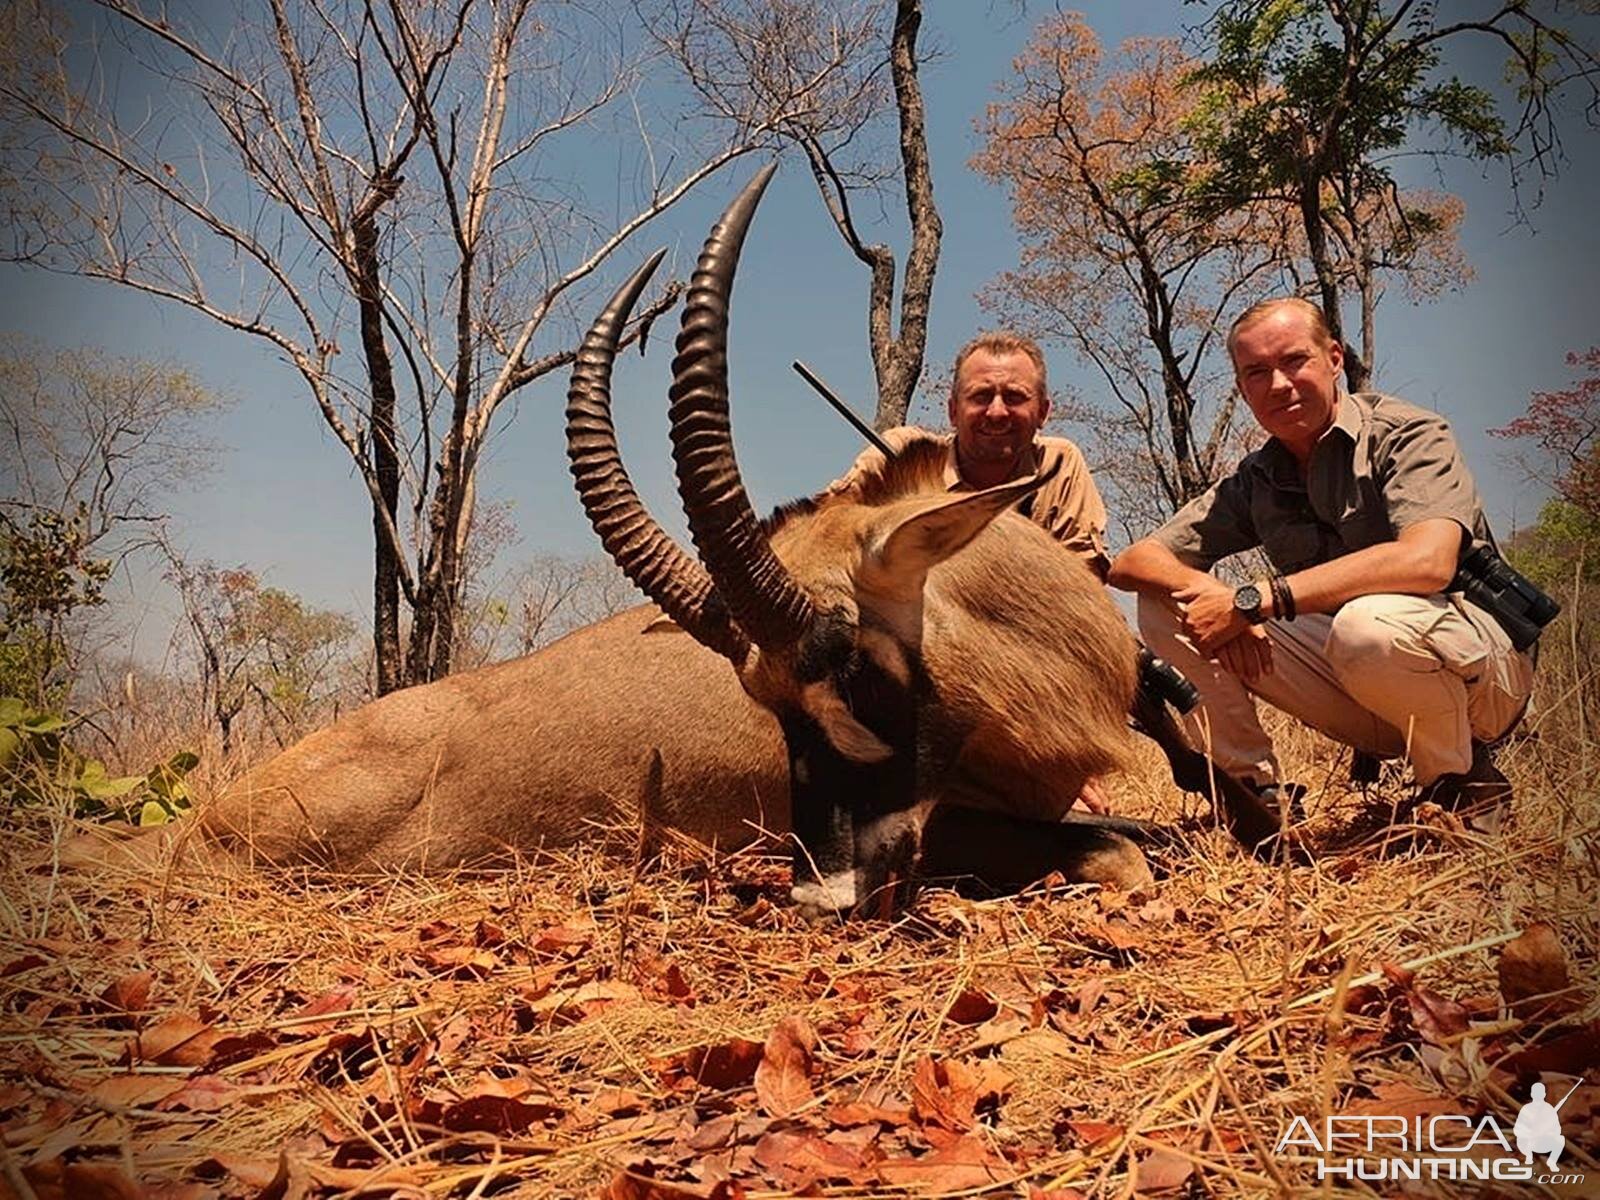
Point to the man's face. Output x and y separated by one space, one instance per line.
1288 375
996 407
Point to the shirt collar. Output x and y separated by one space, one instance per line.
1281 465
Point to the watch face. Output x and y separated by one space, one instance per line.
1247 598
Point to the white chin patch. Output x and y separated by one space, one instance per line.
829 898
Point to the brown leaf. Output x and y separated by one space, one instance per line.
1162 1171
496 1114
130 993
1533 964
1039 1193
460 962
965 1162
1088 995
134 1091
175 1041
577 1004
84 1181
732 1064
1402 1099
944 1093
231 1050
638 1183
207 1093
783 1077
1092 1133
617 1102
1575 1053
335 1000
1436 1018
973 1006
28 962
800 1156
860 1112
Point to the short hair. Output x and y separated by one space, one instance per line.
1263 308
1002 341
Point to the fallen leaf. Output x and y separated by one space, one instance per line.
1092 1133
1532 964
1437 1019
336 1000
944 1092
231 1050
82 1181
783 1077
496 1114
639 1183
799 1156
575 1005
1039 1193
1575 1053
130 993
207 1093
731 1064
175 1041
860 1112
134 1091
28 962
964 1163
973 1006
1403 1100
460 962
1162 1171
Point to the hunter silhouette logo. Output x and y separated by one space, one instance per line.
1442 1146
1538 1127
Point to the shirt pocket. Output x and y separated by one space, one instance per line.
1295 545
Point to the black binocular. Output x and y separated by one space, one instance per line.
1507 595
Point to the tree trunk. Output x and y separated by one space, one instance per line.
383 451
899 361
1310 188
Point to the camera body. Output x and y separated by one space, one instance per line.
1507 595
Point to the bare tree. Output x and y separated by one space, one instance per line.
738 54
1099 159
362 185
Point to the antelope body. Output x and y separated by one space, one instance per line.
888 672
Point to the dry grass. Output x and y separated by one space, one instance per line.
534 1032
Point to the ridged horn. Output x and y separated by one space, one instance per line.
644 551
757 588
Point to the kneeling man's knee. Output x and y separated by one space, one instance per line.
1359 636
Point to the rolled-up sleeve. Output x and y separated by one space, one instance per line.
1422 475
1211 526
1073 512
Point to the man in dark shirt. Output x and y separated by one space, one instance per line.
1364 509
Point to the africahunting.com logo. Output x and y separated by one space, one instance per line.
1373 1148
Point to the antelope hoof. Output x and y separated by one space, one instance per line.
1118 863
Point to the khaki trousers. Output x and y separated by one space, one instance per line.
1391 675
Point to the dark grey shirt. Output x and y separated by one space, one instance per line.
1383 465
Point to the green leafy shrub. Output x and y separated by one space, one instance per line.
38 765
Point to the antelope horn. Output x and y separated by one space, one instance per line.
644 551
758 589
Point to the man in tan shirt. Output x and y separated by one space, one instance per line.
1364 508
999 400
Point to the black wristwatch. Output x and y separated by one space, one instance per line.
1247 603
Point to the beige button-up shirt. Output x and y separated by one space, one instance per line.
1381 466
1067 506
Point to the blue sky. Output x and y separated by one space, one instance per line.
283 499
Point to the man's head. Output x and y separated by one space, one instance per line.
998 401
1537 1091
1287 364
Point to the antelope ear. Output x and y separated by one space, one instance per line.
846 734
939 527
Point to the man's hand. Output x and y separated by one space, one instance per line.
1249 656
1209 617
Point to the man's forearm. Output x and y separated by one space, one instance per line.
1421 562
1148 566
